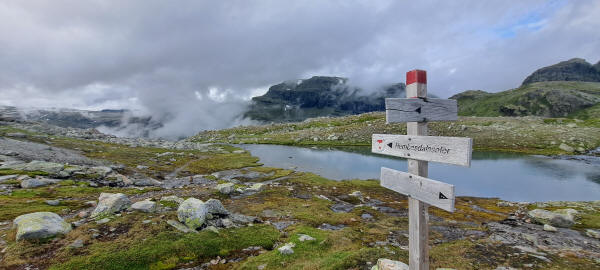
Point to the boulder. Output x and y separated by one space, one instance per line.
172 198
225 188
40 225
593 233
145 206
146 182
38 182
258 187
552 218
48 167
192 212
305 237
180 227
53 202
287 249
387 264
109 203
5 178
215 206
550 228
101 171
566 148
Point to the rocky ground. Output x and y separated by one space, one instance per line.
79 199
531 135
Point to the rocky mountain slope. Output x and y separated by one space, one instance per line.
576 69
116 120
567 89
318 96
547 99
136 204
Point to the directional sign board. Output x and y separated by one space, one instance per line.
452 150
420 110
430 191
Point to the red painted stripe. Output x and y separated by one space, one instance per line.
416 76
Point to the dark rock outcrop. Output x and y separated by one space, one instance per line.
576 69
318 96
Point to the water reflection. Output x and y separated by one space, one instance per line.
492 174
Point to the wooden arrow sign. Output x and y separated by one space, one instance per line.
420 110
451 150
430 191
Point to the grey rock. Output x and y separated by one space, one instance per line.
287 249
258 187
225 188
40 225
549 228
180 227
281 225
227 223
592 233
102 221
193 213
102 171
145 206
53 202
5 178
366 216
77 244
329 227
387 264
38 182
556 219
342 207
172 198
305 237
242 219
215 207
146 182
16 135
109 203
566 148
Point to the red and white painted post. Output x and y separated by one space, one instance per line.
418 217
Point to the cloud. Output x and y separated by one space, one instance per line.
196 63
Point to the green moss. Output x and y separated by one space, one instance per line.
167 249
330 250
29 173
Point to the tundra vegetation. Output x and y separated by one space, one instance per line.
275 218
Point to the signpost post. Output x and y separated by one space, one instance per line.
419 148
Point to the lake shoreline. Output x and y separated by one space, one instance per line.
527 135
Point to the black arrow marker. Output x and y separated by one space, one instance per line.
418 110
390 145
443 197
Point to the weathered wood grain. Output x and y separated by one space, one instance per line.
451 150
418 216
430 191
420 110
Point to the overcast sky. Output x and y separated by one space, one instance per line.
200 61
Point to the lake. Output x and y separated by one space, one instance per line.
512 177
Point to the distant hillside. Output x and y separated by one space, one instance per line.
576 69
549 99
116 120
318 96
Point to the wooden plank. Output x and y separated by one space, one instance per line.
420 110
436 193
451 150
418 232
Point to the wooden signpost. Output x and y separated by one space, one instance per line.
419 148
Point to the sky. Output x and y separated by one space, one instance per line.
196 64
